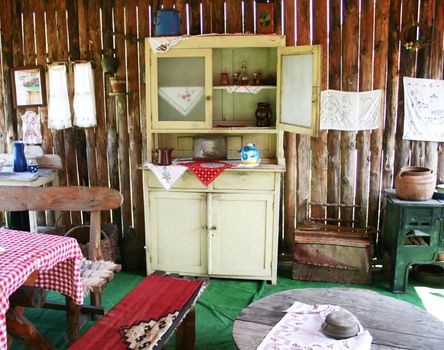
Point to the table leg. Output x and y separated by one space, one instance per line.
32 221
73 318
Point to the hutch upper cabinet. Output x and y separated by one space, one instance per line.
230 228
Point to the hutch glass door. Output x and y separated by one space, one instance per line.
181 88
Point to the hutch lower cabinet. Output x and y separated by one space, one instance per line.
225 230
208 90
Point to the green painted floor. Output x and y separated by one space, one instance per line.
215 310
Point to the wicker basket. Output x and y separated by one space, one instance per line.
108 241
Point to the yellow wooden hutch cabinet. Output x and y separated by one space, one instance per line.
230 228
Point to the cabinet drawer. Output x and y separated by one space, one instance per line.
186 181
244 180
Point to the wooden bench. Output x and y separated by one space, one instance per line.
68 198
150 313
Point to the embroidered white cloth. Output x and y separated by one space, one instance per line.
32 133
300 329
84 97
246 89
351 111
167 174
182 99
423 109
59 112
163 44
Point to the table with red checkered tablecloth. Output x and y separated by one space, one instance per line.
55 258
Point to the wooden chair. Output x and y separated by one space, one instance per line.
68 198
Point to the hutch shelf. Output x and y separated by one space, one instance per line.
230 228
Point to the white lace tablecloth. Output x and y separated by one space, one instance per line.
300 329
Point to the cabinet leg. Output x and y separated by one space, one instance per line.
400 274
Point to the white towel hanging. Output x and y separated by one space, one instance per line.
84 97
59 112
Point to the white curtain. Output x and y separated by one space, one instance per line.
59 113
84 97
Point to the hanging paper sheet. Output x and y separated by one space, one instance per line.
59 112
167 174
207 171
301 329
182 99
84 97
351 111
31 128
423 109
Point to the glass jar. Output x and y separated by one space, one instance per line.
244 78
263 114
19 157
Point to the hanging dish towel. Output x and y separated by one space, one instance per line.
59 112
163 44
32 133
423 109
84 97
207 171
301 329
351 111
182 99
167 174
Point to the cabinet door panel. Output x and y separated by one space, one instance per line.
240 243
178 238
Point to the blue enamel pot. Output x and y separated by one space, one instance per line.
167 23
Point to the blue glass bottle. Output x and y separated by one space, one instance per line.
19 157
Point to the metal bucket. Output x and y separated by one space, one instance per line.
167 23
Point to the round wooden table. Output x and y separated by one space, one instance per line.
393 323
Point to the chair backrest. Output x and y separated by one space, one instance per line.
68 198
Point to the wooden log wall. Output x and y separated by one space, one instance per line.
361 51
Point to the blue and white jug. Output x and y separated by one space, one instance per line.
249 155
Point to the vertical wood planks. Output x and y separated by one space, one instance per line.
290 177
234 16
437 70
407 68
349 83
363 137
319 145
122 118
217 16
382 11
303 141
134 120
334 82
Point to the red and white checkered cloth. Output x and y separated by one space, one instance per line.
55 258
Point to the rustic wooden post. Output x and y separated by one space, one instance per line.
121 117
349 83
134 121
334 82
407 68
217 16
363 137
303 141
234 16
290 177
392 94
319 146
382 11
437 70
249 16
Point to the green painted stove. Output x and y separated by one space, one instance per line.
413 234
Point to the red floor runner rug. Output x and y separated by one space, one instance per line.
142 315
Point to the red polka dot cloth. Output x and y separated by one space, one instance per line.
56 258
206 171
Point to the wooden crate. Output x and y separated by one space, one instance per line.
332 254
